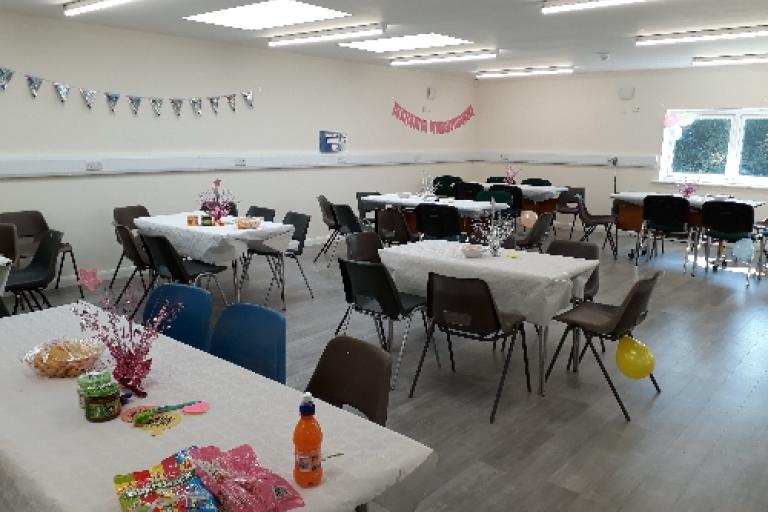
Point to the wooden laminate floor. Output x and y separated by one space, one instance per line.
702 444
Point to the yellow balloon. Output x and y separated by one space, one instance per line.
528 218
634 359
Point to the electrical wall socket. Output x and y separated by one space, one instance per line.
240 162
94 166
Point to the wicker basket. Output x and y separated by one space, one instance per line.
64 358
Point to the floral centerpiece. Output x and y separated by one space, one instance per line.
218 201
686 189
511 173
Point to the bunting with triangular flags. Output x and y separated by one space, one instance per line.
176 104
135 103
34 84
157 105
88 96
248 97
232 100
197 106
214 100
5 77
112 99
62 90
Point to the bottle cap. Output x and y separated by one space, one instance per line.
307 407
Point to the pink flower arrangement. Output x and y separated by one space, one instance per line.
686 189
217 201
511 174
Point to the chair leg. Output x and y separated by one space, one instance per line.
607 377
402 350
343 320
335 248
655 384
306 281
31 295
573 225
117 269
218 286
426 330
602 344
27 302
430 339
450 351
503 378
557 352
58 274
614 243
44 298
326 245
525 358
144 296
127 285
77 273
16 303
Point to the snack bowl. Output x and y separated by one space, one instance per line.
249 222
64 358
473 250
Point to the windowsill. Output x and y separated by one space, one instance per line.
713 184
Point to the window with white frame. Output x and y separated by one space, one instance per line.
726 146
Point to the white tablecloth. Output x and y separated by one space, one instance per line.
696 202
466 208
533 193
5 269
53 460
534 285
213 244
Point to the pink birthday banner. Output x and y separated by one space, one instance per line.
420 124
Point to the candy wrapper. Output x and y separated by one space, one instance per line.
171 486
240 484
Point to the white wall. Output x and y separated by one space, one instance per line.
299 96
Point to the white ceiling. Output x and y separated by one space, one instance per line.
516 27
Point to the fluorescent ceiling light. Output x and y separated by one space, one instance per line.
336 34
518 72
84 6
403 43
441 58
556 6
703 35
270 14
731 60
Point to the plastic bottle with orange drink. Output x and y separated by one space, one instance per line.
307 441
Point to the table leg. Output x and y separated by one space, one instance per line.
543 332
237 280
575 350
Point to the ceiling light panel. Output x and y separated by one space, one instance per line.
443 58
321 36
558 6
405 43
731 60
523 72
693 36
270 14
86 6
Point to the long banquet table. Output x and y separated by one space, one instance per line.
536 194
466 208
534 285
53 460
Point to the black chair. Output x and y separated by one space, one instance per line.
9 243
608 322
125 216
348 224
363 208
664 216
31 227
276 259
329 218
537 182
468 191
370 290
725 221
583 250
516 193
496 179
168 264
465 307
268 214
568 204
364 247
354 373
392 228
134 251
438 221
592 222
444 185
33 279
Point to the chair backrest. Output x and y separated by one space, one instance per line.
362 207
391 226
165 260
252 337
364 247
634 308
47 253
539 230
728 217
499 196
191 325
464 190
515 192
496 179
462 304
268 214
668 213
127 215
300 223
370 284
537 182
354 373
445 184
29 223
438 221
131 249
348 222
567 198
9 242
326 209
583 250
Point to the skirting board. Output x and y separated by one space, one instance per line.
85 165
